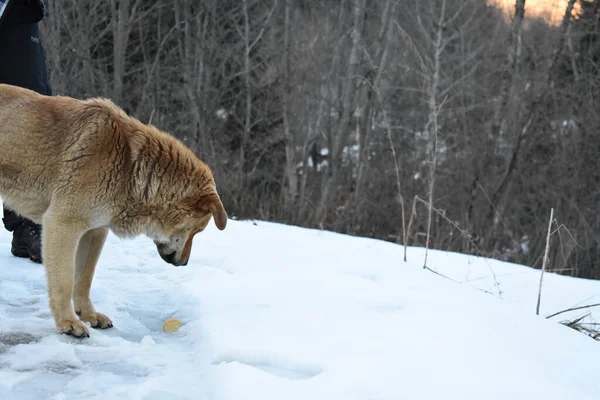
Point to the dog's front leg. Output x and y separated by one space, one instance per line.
61 237
88 252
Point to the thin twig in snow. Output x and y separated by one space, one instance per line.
437 273
544 261
573 309
465 234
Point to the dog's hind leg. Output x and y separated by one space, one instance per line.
61 235
88 252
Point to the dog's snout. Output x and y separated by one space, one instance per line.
170 257
179 262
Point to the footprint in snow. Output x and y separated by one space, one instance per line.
285 370
387 308
10 339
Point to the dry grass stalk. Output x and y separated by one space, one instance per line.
463 232
587 328
545 261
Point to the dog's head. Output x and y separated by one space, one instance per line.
184 221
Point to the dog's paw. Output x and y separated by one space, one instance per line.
74 328
97 320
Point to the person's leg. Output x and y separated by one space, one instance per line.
27 236
23 65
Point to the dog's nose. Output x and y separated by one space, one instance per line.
170 258
179 263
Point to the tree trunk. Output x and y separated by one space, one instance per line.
433 115
373 91
311 140
290 144
121 26
340 136
509 70
247 88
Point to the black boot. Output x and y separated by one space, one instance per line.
26 241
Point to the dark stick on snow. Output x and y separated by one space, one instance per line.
573 309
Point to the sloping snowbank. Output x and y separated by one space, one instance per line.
277 312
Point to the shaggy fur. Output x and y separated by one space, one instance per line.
82 167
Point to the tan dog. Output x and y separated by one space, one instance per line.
82 167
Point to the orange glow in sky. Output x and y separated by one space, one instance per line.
550 10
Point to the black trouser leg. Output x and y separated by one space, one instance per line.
23 64
23 61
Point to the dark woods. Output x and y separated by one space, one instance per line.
336 114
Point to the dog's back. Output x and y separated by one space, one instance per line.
38 136
26 126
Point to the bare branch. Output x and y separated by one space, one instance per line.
572 309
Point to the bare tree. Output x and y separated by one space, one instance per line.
531 111
432 123
315 129
249 43
290 143
338 138
509 69
122 18
372 86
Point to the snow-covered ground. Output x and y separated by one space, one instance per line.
273 312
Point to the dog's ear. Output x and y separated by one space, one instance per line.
212 203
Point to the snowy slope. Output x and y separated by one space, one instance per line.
276 312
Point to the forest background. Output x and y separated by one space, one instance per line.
456 124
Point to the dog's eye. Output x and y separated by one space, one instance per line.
177 240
